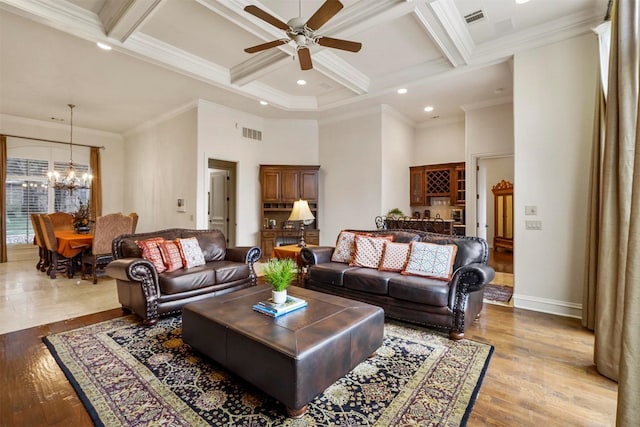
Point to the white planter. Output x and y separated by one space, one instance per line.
279 296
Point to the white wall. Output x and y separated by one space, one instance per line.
112 157
439 143
219 136
351 174
160 169
488 133
397 145
553 104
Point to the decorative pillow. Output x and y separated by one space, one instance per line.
394 256
190 252
345 247
170 255
368 251
151 252
430 260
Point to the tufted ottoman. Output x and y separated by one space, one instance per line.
293 357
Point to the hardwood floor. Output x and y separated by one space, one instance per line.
541 373
501 261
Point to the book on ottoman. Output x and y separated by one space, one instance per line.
274 310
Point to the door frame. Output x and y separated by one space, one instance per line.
231 168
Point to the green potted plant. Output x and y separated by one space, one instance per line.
279 273
395 212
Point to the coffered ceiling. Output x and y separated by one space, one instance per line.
167 53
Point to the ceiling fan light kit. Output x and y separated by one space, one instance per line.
302 33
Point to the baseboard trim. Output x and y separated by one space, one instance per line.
550 306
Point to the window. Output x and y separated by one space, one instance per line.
28 192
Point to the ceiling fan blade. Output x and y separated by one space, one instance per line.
265 46
340 44
322 15
257 12
304 55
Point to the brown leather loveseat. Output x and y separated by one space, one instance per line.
149 294
450 304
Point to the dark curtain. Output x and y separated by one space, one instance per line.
96 183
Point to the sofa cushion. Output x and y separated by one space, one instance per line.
368 280
368 251
151 252
394 256
186 280
419 290
212 242
170 255
229 271
330 272
190 252
430 260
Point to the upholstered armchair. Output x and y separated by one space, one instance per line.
107 228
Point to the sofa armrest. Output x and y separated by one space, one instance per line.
316 255
467 279
244 254
473 277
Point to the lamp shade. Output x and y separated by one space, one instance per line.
301 212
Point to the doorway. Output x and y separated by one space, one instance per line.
489 171
221 198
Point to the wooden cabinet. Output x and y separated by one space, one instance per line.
503 211
289 183
281 186
441 180
416 186
460 191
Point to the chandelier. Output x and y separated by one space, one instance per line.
70 180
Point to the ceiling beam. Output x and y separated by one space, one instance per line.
121 18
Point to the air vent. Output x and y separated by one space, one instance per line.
252 134
474 16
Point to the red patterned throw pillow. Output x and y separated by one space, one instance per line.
190 252
151 252
170 255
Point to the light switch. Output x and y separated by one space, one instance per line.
533 225
531 210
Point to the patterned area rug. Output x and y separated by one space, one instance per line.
127 374
499 293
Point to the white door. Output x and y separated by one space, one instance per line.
219 201
481 199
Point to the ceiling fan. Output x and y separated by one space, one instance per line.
303 34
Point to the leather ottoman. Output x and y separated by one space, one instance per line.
293 357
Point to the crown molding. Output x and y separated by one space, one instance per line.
339 70
160 119
6 119
387 109
488 103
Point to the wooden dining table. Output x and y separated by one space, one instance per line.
71 243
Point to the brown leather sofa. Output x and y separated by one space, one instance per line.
439 304
149 295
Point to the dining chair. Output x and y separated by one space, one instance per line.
107 228
43 261
61 221
134 217
57 261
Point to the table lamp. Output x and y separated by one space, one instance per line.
301 212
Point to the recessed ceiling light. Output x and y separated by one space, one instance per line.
428 108
521 1
264 103
103 46
302 82
402 91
